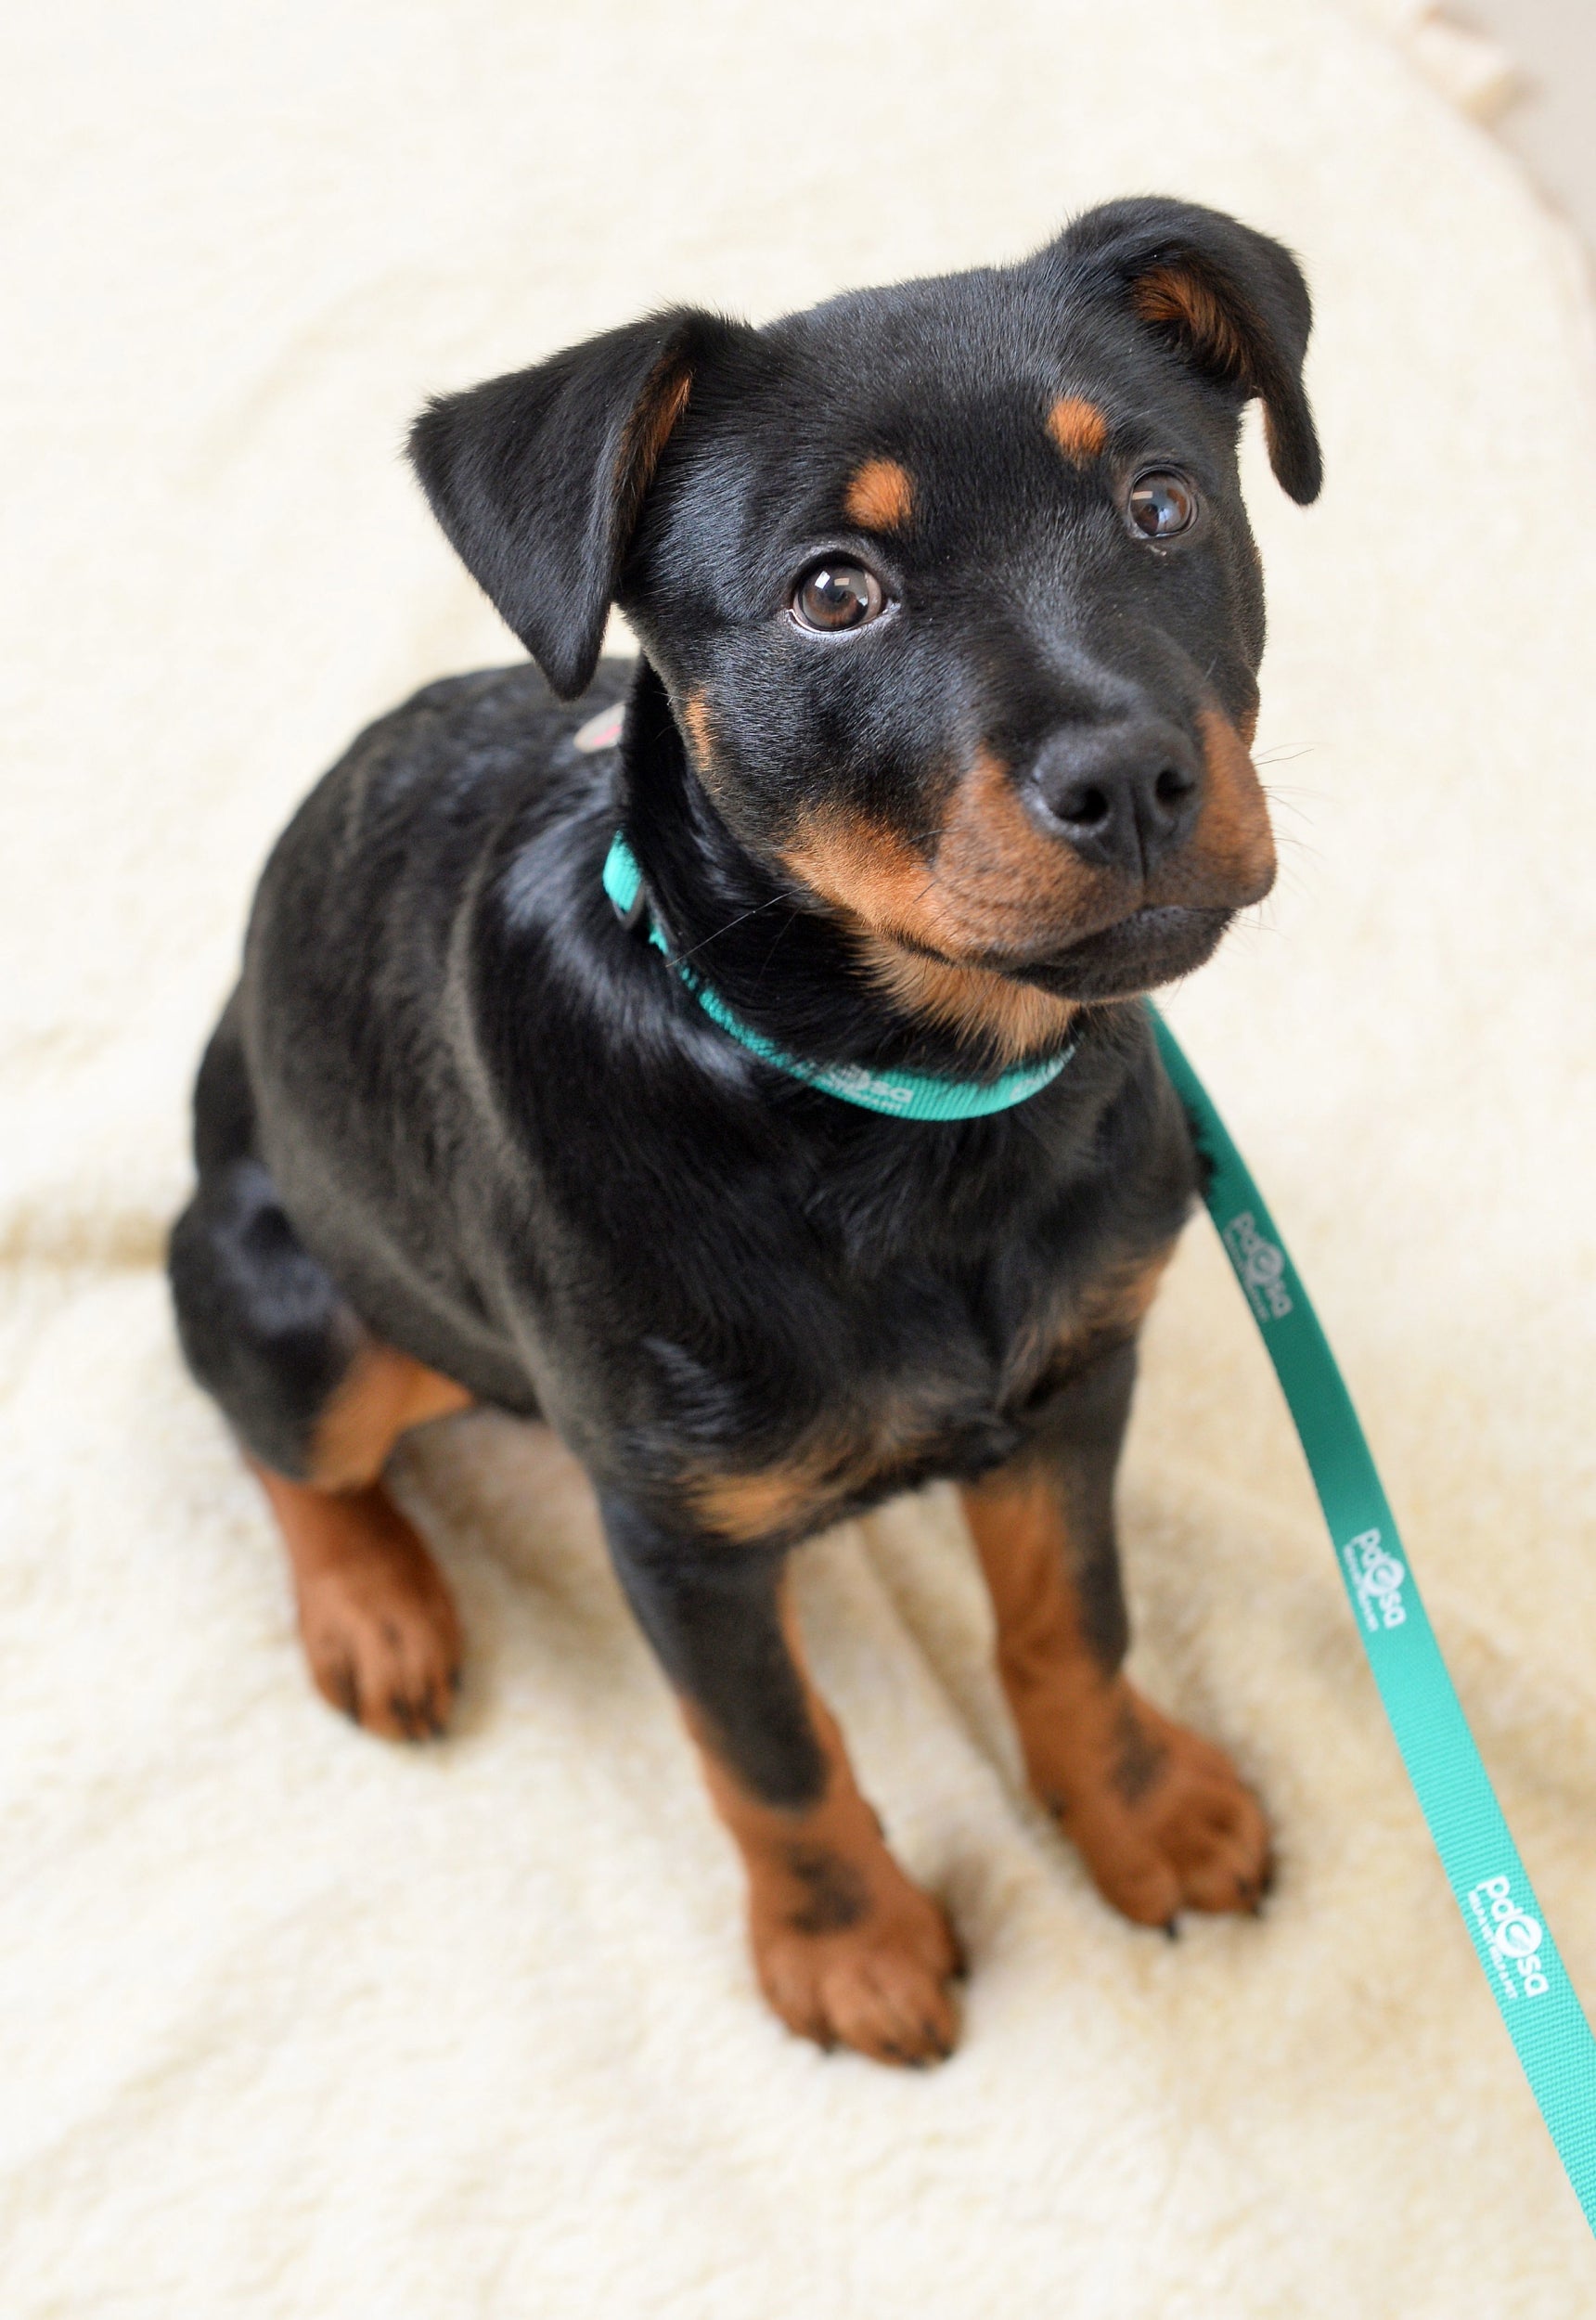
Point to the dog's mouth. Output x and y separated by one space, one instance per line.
1155 945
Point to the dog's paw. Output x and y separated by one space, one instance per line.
1162 1819
878 1983
380 1627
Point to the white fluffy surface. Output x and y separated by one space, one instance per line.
295 2024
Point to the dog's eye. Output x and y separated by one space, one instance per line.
837 595
1161 505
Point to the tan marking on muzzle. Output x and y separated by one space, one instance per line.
990 881
1078 428
880 496
981 1008
1229 860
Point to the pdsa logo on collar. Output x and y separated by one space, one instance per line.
1375 1577
1512 1938
1261 1266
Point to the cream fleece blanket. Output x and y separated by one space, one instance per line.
300 2026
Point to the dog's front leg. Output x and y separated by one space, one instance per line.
1161 1815
848 1950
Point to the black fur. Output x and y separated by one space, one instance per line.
451 1084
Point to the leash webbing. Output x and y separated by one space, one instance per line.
1537 2002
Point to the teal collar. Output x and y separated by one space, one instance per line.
903 1095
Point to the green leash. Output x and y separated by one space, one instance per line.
1543 2016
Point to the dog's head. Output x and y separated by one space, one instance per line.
950 586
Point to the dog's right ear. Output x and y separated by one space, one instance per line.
538 478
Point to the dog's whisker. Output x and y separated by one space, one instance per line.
787 927
682 956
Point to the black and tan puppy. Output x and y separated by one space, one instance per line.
935 758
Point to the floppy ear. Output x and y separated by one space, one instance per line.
538 478
1230 301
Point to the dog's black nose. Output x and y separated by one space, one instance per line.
1123 795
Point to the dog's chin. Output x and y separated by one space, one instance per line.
1135 954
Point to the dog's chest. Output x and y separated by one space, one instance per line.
918 1386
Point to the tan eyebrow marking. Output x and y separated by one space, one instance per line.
880 496
1077 426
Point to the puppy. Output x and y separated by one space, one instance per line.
756 1089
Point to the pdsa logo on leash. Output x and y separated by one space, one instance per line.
1512 1938
1261 1267
1375 1577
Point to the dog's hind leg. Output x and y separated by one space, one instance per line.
317 1404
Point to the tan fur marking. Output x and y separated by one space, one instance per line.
695 722
857 864
1003 868
990 885
853 1452
1113 1307
1007 1019
382 1396
377 1619
1233 835
1078 428
660 404
846 1948
1107 1312
1017 1520
1159 1814
849 1453
776 1498
990 880
1229 860
1176 298
880 496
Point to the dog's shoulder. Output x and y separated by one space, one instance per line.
402 821
493 728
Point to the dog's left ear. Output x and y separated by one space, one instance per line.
538 478
1231 302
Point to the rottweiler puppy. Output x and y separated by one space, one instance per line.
809 1143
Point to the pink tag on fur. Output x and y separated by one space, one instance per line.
601 732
